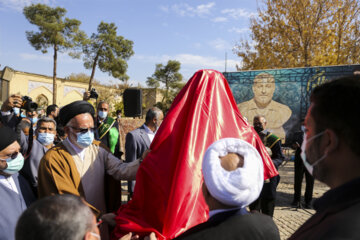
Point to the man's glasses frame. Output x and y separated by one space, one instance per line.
82 130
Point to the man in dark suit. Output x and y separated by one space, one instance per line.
300 170
266 202
139 140
331 153
233 178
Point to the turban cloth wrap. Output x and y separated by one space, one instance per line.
7 137
239 187
167 197
75 108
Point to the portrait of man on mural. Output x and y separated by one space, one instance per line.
263 104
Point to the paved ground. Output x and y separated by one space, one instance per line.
289 219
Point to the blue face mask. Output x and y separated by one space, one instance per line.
85 139
22 115
14 165
16 110
46 138
102 114
33 120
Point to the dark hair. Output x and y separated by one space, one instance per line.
152 113
55 217
103 102
51 108
257 117
336 106
45 119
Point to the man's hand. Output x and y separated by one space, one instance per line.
109 218
129 236
86 95
13 101
147 151
152 236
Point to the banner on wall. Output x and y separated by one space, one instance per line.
281 95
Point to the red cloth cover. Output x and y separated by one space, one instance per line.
167 199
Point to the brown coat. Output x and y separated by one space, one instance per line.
59 173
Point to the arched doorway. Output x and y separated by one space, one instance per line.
42 101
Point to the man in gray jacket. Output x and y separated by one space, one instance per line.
45 135
139 140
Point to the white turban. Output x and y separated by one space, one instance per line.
234 188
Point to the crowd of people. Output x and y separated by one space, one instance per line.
60 174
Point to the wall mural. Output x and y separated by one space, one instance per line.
34 84
68 89
281 95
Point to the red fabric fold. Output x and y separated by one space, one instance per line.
167 199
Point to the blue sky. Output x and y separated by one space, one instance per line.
197 33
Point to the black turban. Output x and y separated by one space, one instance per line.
7 137
75 108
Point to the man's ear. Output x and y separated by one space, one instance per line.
67 130
331 141
87 236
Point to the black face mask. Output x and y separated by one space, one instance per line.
258 128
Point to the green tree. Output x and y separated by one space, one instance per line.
170 77
108 51
55 31
290 33
79 77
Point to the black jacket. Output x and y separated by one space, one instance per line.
337 215
229 225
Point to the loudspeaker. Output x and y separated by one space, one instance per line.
132 99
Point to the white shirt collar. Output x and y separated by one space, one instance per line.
79 151
150 133
9 183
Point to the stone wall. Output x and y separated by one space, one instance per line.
127 125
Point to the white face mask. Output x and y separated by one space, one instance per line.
310 167
96 235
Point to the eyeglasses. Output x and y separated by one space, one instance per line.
12 156
82 130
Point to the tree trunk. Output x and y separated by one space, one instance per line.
167 90
93 71
54 75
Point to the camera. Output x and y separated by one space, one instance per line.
93 93
28 104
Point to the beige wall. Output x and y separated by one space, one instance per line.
35 85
